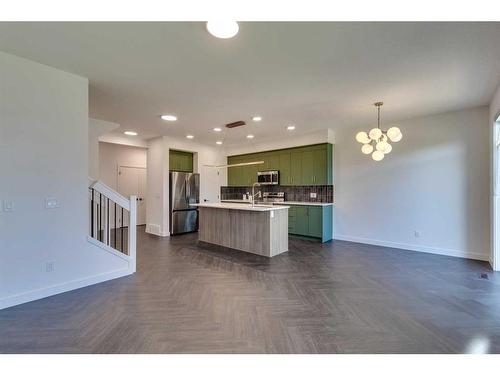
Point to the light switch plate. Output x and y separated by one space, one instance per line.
51 203
8 206
312 195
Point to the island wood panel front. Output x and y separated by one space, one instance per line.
251 231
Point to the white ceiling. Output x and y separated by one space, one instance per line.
314 75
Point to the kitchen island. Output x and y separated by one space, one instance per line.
259 229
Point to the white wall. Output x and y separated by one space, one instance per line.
436 182
96 129
211 179
113 156
494 112
44 153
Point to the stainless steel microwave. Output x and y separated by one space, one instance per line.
268 177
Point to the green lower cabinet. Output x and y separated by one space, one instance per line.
302 221
315 221
311 221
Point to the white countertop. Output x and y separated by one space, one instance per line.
239 206
290 203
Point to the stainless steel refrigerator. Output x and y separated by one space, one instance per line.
184 190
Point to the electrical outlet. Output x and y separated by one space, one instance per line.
416 233
8 206
49 266
51 203
312 195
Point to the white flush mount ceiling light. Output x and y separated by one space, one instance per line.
290 127
250 136
129 133
377 140
217 129
223 29
189 136
256 118
218 142
168 118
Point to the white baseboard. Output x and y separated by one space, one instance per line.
32 295
155 229
412 247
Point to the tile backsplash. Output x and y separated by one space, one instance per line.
324 193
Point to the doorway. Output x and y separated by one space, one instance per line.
132 181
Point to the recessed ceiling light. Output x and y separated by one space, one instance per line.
250 136
169 117
217 129
223 29
219 142
257 118
290 127
189 136
130 133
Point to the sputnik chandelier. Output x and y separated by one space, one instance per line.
377 140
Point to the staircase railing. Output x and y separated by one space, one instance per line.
112 219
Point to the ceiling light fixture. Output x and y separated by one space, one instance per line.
219 142
223 29
189 136
290 127
129 133
250 136
217 129
256 118
168 117
378 139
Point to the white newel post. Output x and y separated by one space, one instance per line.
132 231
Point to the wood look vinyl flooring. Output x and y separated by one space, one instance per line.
336 297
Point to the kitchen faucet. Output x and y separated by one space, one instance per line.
254 194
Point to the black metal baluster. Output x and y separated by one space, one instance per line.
100 216
115 226
92 215
107 226
121 231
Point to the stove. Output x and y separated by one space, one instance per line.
273 197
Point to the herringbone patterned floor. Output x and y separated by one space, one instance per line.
338 297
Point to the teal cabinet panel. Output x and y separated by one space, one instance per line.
302 221
315 221
311 221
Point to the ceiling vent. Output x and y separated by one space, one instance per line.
235 124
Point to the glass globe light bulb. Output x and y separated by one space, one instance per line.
362 137
377 155
382 145
397 138
375 133
393 132
387 149
367 149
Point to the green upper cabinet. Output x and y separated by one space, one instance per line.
296 168
307 165
320 167
307 172
180 161
284 168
